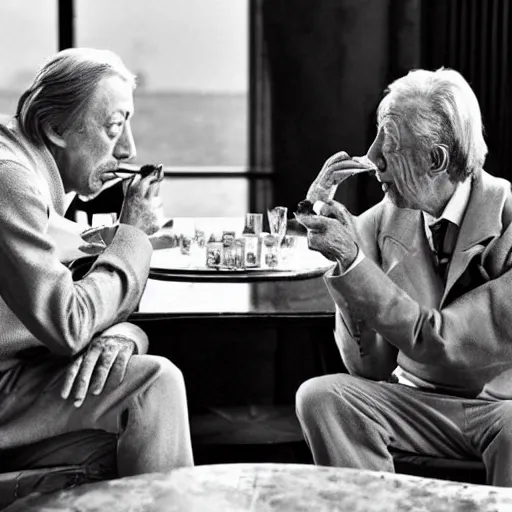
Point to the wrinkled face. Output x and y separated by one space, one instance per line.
403 162
102 139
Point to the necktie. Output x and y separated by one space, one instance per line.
442 258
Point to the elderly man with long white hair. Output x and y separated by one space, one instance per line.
422 286
76 384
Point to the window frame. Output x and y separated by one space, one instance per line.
259 171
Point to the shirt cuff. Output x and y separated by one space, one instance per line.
360 257
317 206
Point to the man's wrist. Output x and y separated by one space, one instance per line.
346 260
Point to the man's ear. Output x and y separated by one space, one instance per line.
440 159
54 137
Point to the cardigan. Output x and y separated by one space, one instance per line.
41 307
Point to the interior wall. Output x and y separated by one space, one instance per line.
474 37
329 62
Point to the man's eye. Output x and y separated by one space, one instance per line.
115 129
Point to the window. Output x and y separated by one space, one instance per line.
28 35
191 105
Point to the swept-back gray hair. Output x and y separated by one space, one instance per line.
62 88
441 109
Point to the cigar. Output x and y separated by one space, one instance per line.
305 208
364 160
144 171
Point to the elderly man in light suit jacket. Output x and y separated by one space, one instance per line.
423 322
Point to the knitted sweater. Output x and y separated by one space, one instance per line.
40 304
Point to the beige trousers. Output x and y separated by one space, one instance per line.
353 422
147 413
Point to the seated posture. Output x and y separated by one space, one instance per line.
69 361
422 286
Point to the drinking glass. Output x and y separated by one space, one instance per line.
277 218
288 247
253 223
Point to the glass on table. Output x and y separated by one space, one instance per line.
184 232
252 239
185 243
253 223
201 234
277 219
270 250
288 246
214 251
228 249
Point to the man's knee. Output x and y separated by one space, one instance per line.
504 423
160 375
317 394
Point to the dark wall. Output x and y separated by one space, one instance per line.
330 61
474 37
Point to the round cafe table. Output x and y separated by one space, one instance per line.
272 487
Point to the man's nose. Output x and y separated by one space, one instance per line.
125 147
375 153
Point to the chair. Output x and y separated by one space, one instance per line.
470 471
28 469
109 201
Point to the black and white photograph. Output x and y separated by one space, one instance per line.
255 255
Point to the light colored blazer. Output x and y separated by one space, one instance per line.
392 308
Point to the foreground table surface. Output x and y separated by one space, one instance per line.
272 487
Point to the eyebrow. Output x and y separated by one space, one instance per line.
126 114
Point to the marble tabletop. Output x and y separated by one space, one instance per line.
272 487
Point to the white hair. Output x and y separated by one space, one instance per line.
441 109
62 88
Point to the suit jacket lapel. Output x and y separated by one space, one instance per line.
407 258
409 261
481 222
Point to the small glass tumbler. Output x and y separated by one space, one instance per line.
228 249
270 251
253 223
214 251
288 247
239 250
277 218
185 244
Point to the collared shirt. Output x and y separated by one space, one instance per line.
454 213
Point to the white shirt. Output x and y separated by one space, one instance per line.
453 212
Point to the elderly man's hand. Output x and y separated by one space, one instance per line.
332 233
107 356
336 169
142 206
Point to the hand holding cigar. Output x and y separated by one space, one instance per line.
337 169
